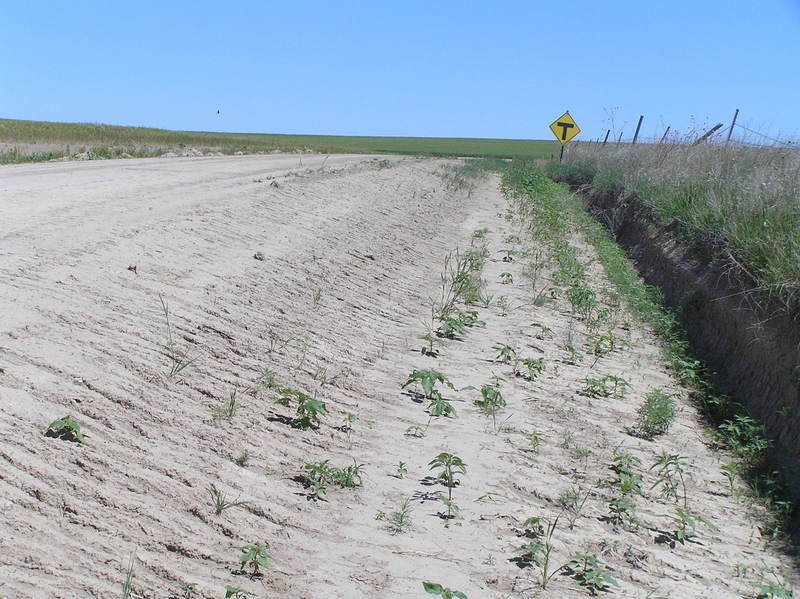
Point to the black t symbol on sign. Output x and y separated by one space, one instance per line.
564 127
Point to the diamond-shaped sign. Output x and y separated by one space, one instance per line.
565 128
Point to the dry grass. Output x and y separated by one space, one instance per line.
743 201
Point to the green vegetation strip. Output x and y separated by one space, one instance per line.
557 211
738 204
110 141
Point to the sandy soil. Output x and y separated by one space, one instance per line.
320 272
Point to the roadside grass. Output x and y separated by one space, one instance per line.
741 202
553 209
110 141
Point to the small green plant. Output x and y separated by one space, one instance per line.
670 476
242 459
427 379
506 278
178 362
502 304
589 573
542 332
535 440
575 357
398 521
623 511
582 299
436 589
127 584
508 254
572 502
322 475
220 501
533 367
491 402
415 431
309 409
187 589
449 466
539 552
480 233
429 349
347 425
655 415
228 410
439 407
731 470
254 557
505 353
66 428
232 592
451 327
687 525
401 470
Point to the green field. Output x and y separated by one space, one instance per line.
110 141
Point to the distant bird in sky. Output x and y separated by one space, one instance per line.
217 111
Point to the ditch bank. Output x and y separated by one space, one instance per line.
755 350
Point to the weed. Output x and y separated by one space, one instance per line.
266 380
178 361
127 584
568 440
491 402
232 592
428 379
321 476
731 470
445 593
655 415
506 278
774 590
220 502
589 573
188 589
502 304
539 552
582 299
449 467
535 440
572 502
66 428
533 367
228 410
575 356
508 254
275 343
687 525
505 353
254 557
438 407
670 476
242 459
480 233
415 431
398 521
511 239
309 409
623 511
401 470
430 350
543 332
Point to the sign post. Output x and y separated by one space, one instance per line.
564 128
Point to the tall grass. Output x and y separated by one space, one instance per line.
743 202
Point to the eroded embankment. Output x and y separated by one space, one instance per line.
756 349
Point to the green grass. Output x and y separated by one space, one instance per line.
111 140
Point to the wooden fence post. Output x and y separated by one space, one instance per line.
638 126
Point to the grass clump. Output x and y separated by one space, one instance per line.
655 415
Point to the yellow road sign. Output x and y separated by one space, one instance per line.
565 128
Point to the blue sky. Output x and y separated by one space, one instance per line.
445 68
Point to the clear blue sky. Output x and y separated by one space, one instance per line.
433 68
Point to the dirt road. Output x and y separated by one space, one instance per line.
314 274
